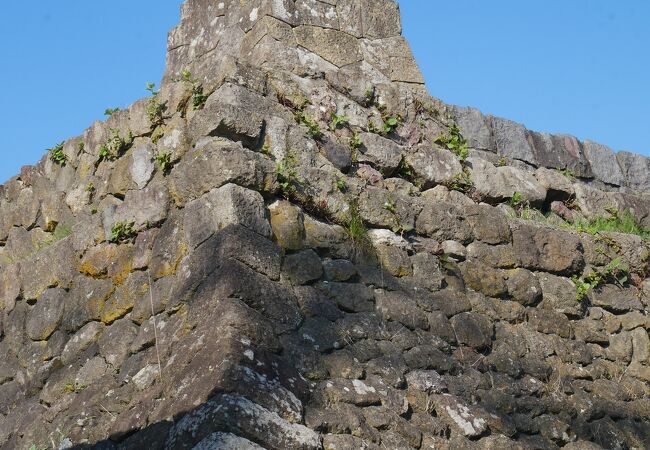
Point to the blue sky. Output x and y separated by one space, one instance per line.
580 66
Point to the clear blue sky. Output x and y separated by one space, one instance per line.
578 66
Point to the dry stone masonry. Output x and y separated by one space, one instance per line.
291 245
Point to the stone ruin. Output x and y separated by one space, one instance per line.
293 246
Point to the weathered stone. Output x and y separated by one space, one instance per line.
443 221
243 417
381 153
168 249
287 225
142 166
511 140
387 210
557 185
559 294
146 208
338 270
391 251
351 297
473 330
484 279
636 170
226 441
214 163
496 184
46 315
550 322
115 341
230 121
489 225
603 162
432 165
461 416
524 286
615 299
334 46
83 339
560 152
302 267
229 204
547 249
399 307
38 273
475 128
9 286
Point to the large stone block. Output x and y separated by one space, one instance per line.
603 163
146 208
40 273
227 205
443 221
560 152
335 46
433 165
214 163
512 140
547 249
496 184
475 128
636 170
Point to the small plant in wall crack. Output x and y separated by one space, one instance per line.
356 227
390 124
313 129
286 173
198 96
115 146
337 121
75 386
455 142
355 141
110 111
164 161
57 156
122 231
615 272
154 109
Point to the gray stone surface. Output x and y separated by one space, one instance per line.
511 140
227 205
603 163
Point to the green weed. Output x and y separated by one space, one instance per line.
313 129
110 111
155 110
115 146
461 183
390 124
615 272
570 174
286 173
341 185
455 142
164 161
57 156
198 96
618 222
337 121
516 201
356 227
355 141
122 231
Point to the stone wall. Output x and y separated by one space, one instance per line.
288 249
